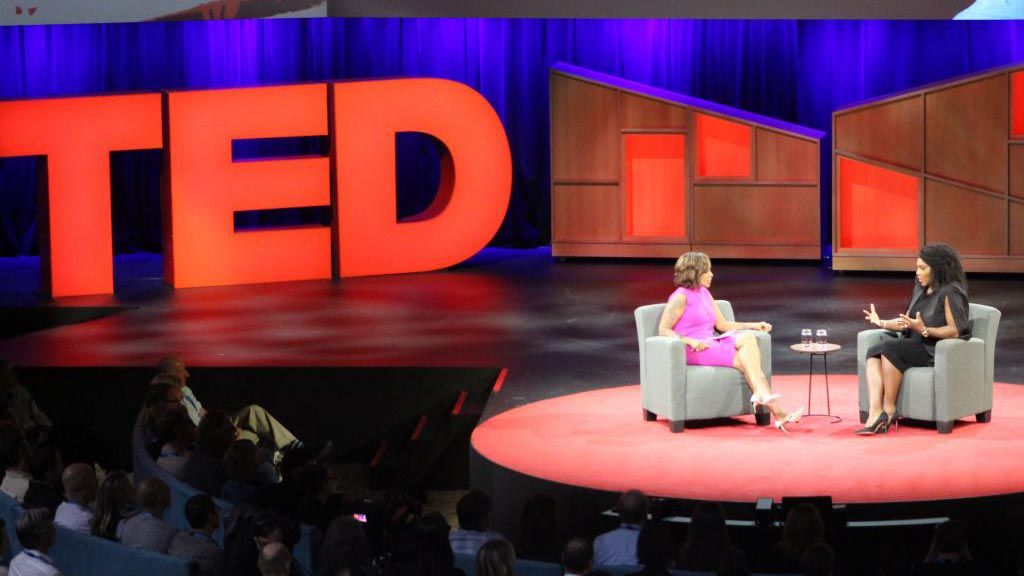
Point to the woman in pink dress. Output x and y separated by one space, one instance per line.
691 316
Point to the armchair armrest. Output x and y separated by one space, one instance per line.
960 384
664 391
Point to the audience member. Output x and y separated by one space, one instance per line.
706 540
147 529
803 529
345 548
253 422
496 558
198 544
317 504
36 533
474 512
163 393
275 560
17 403
114 504
44 490
248 530
734 563
204 471
14 458
75 513
435 553
949 553
577 557
178 433
538 532
241 472
817 560
654 549
618 547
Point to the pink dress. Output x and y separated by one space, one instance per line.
698 322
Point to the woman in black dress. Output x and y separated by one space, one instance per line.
938 309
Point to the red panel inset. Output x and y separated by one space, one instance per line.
77 136
476 175
1017 104
201 247
655 184
723 148
877 207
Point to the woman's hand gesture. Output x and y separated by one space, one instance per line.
916 323
872 316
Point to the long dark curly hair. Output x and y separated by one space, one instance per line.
945 264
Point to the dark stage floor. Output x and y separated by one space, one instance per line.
557 326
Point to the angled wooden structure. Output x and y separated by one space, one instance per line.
939 163
637 171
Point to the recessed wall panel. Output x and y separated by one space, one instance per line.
877 208
654 182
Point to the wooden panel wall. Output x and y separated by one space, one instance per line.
585 139
966 129
890 133
970 166
774 213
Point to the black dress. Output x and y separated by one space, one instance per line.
908 349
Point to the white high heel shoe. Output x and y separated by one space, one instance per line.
791 418
759 400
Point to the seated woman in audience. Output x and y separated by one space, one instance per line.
114 503
538 531
178 433
496 558
938 310
707 540
803 528
692 316
241 470
14 459
654 550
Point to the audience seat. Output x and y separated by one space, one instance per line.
86 555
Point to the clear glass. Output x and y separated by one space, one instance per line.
821 337
805 336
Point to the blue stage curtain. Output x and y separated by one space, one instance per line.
795 70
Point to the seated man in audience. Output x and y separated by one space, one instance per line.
253 422
618 547
17 403
577 557
147 529
474 512
198 544
274 560
205 468
177 432
79 492
36 533
14 459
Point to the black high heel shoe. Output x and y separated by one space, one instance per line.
879 426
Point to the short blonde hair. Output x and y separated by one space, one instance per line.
689 268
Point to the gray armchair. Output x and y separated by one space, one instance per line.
959 385
671 389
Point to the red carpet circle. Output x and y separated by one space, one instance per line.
599 440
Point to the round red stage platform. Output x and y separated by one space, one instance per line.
598 440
